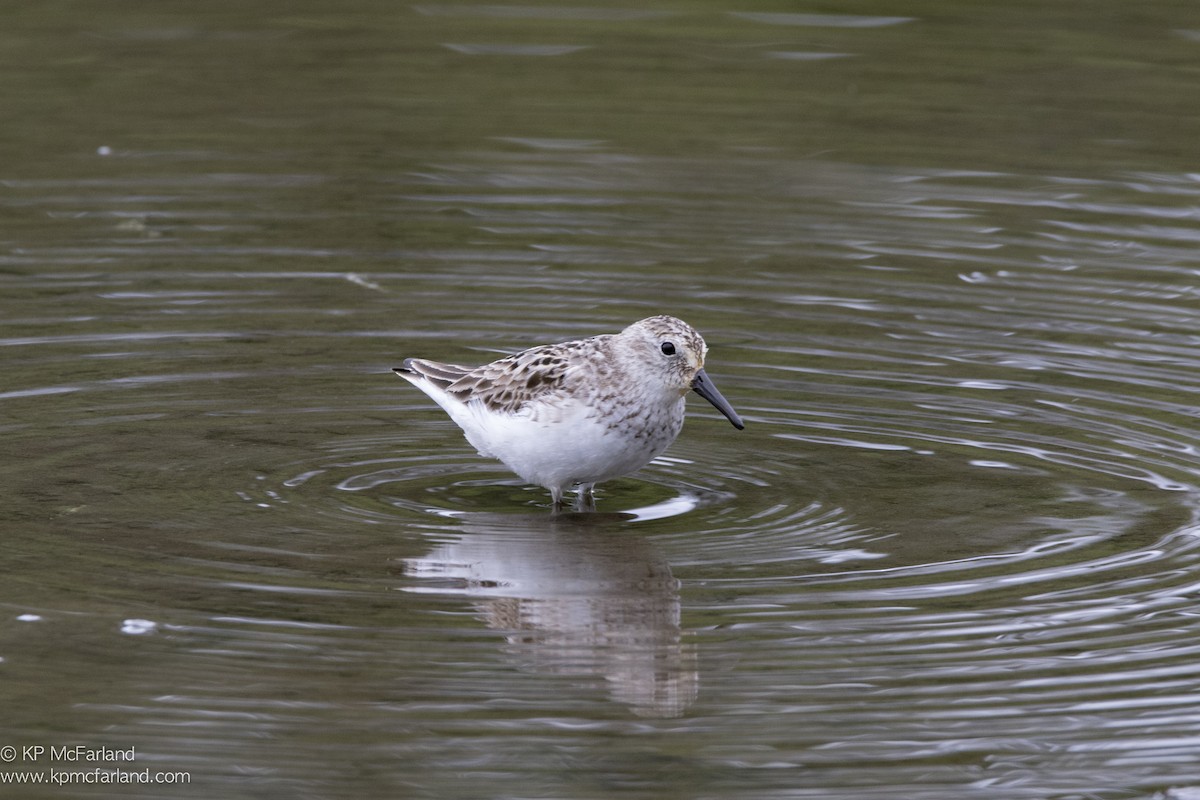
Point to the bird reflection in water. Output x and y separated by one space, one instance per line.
576 594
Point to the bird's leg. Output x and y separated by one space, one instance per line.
585 500
556 495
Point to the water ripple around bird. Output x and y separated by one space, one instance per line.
957 537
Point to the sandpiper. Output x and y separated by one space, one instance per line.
578 412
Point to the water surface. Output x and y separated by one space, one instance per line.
945 260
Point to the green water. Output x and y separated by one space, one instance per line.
944 256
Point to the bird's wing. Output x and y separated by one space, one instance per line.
506 385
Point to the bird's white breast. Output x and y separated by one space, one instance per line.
570 442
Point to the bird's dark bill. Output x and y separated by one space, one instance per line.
704 387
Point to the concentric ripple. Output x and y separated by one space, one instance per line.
955 548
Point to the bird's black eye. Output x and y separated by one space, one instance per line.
668 348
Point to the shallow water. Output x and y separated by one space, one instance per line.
954 553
